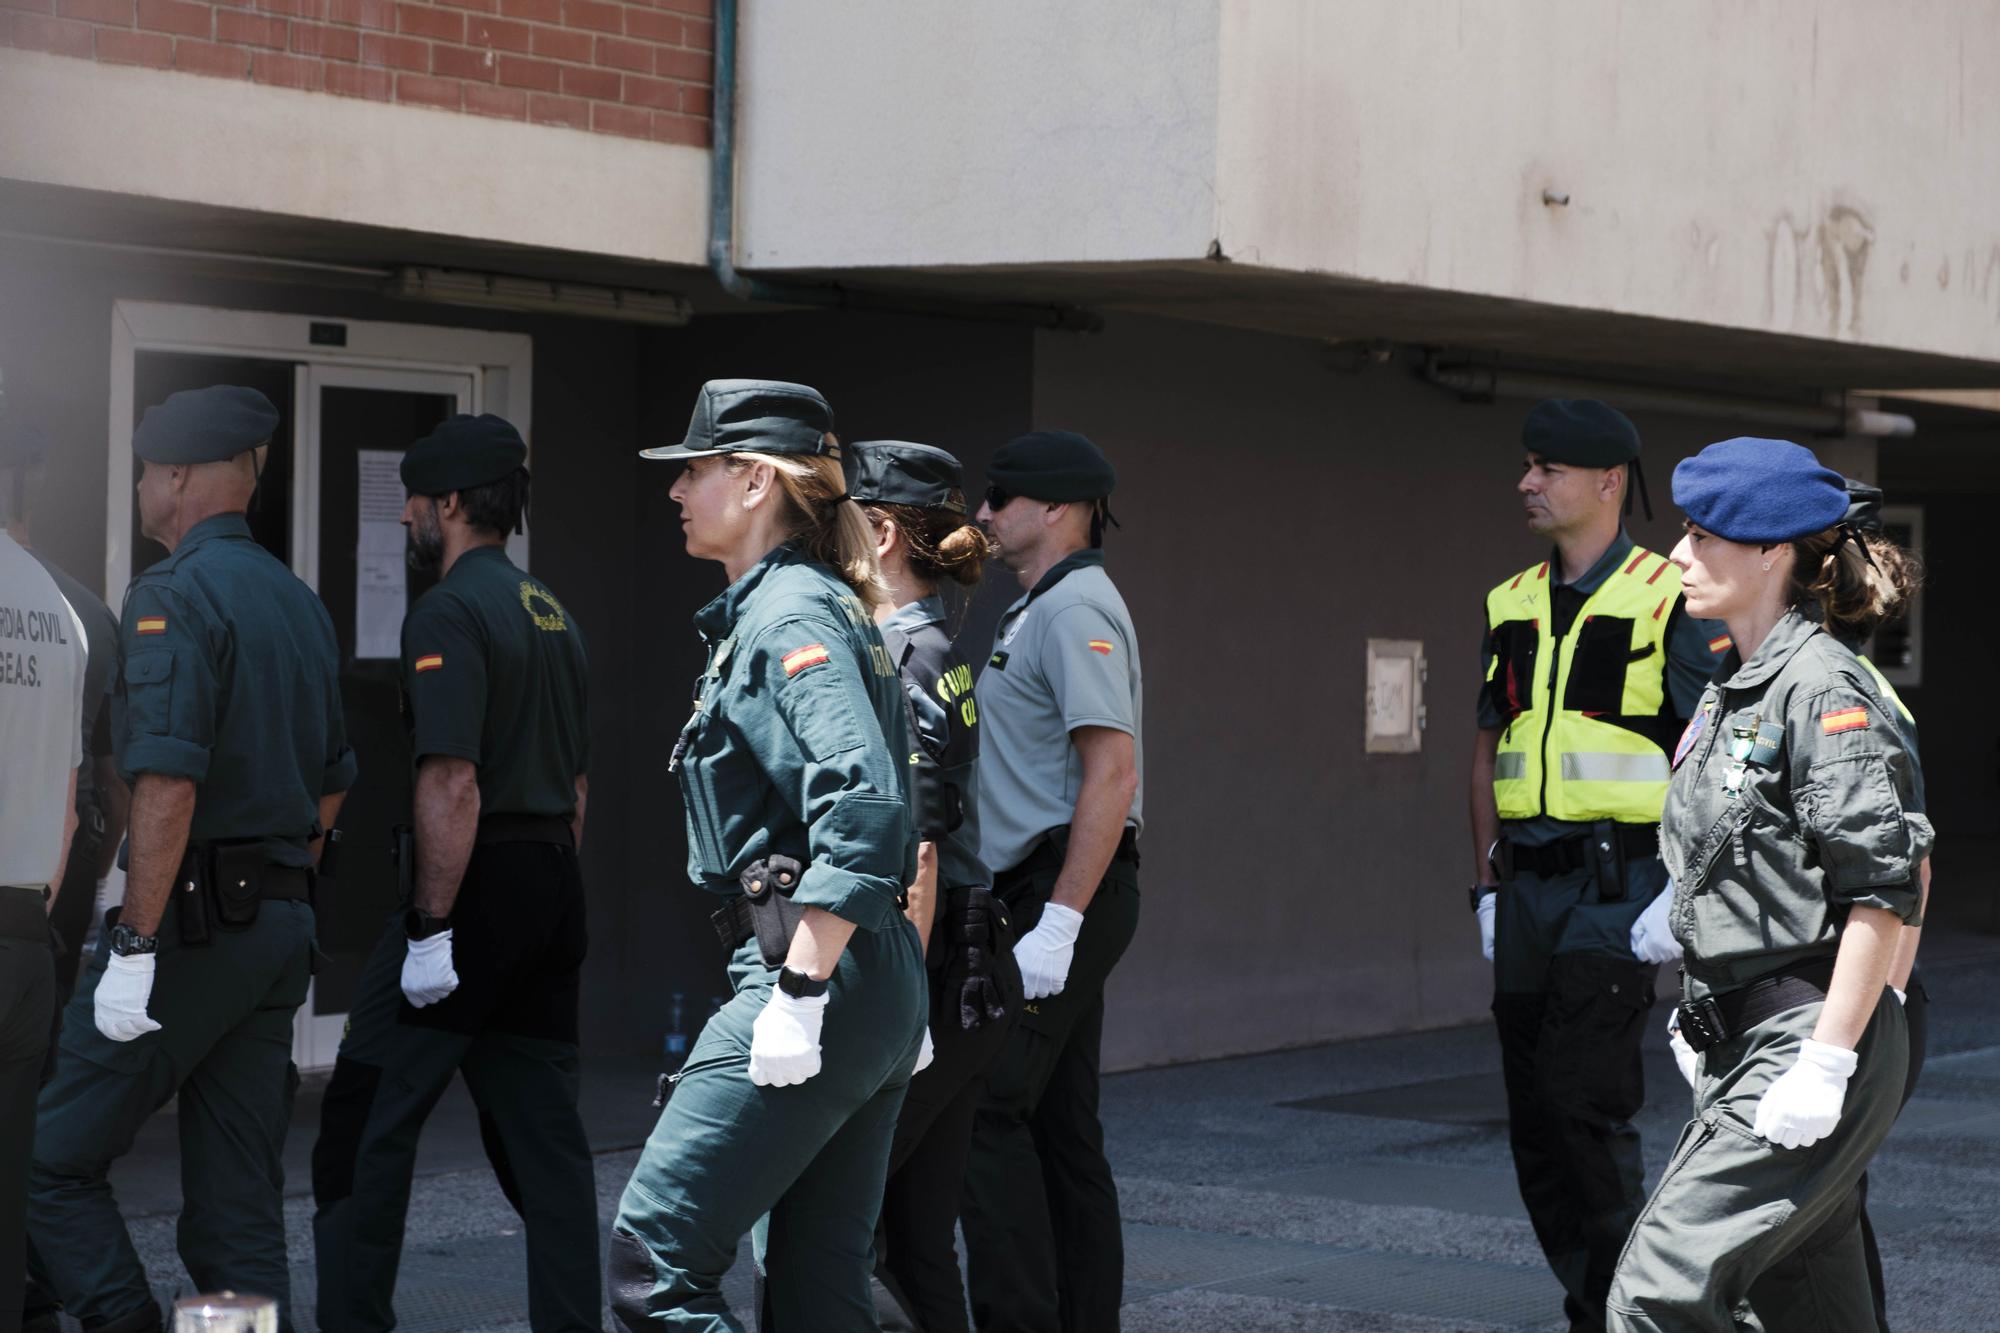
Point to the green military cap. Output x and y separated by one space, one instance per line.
900 473
1581 432
1058 466
463 452
205 425
754 417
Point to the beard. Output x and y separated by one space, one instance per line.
425 553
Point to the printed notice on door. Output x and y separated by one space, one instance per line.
381 592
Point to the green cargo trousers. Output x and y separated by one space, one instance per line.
1730 1204
808 1159
225 1047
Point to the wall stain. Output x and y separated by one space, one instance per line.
1845 238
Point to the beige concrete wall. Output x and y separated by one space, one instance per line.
1278 515
906 132
160 134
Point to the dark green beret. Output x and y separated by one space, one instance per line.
205 425
463 452
1581 432
1864 506
1053 465
754 417
900 473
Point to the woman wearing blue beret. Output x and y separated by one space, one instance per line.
1794 842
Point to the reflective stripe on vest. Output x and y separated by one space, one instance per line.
1585 736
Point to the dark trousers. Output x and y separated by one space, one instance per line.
224 1050
76 900
27 998
1779 1295
1044 1247
915 1244
1570 1056
518 942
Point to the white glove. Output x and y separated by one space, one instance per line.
1684 1055
122 993
1488 903
1902 997
784 1041
926 1054
1803 1106
1652 937
1045 951
428 975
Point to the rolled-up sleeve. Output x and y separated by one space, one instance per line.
1853 782
845 774
169 692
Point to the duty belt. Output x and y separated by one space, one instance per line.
1714 1019
765 912
1567 855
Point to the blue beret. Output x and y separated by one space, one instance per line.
1058 466
463 452
754 417
900 473
1581 432
1760 491
205 425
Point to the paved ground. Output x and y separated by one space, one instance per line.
1361 1186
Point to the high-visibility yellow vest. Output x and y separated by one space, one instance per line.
1888 690
1588 724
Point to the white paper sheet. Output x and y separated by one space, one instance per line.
381 588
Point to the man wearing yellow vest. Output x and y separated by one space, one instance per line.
1592 667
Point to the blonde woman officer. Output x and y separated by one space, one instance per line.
791 768
1795 853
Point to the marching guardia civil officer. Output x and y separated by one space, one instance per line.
41 736
914 498
478 972
1059 818
1796 857
792 768
229 729
1592 665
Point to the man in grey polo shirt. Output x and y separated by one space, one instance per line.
1059 812
41 735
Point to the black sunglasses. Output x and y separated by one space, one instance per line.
996 499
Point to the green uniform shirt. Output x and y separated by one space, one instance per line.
1791 801
494 672
797 744
232 679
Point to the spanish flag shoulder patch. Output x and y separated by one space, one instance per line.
428 662
1102 647
151 625
1843 719
797 660
1721 644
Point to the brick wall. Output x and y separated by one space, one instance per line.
640 69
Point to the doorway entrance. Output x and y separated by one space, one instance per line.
352 396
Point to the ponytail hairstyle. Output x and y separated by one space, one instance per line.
829 527
942 545
1851 580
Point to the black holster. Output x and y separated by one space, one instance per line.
403 853
1605 853
768 885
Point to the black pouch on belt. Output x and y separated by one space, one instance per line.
1605 855
769 885
237 876
192 907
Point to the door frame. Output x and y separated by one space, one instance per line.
501 366
372 353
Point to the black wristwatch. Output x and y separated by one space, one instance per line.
421 925
798 985
1478 891
126 942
